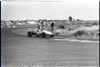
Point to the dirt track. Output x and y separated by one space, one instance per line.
16 47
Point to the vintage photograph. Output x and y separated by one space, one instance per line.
50 33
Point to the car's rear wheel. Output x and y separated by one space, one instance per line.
43 35
29 34
37 35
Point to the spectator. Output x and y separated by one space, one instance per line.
52 26
42 24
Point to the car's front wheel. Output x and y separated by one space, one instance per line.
29 34
51 35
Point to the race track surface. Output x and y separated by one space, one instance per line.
20 48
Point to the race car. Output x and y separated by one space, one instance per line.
39 33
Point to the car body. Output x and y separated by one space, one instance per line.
39 33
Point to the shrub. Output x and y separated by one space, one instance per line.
94 23
61 27
70 29
79 33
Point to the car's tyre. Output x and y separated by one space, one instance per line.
51 35
29 34
37 35
43 35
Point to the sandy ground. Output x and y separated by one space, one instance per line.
18 48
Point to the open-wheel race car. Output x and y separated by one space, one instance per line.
39 33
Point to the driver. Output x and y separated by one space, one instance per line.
39 27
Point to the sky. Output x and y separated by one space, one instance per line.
49 9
